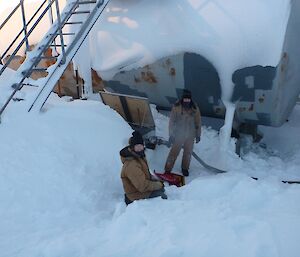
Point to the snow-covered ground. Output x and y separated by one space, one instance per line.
61 195
60 187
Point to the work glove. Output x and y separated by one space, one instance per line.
171 140
198 139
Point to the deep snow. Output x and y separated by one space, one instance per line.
61 194
60 191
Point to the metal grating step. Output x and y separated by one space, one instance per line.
48 57
54 45
81 12
64 34
87 2
73 22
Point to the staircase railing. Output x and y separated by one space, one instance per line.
26 29
54 34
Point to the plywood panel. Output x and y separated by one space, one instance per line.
140 112
114 102
135 110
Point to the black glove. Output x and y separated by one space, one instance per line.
198 139
171 140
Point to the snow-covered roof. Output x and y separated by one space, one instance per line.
231 34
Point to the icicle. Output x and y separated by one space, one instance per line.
225 131
227 91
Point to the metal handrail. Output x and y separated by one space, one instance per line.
24 23
54 31
10 15
27 24
59 24
27 35
27 73
71 46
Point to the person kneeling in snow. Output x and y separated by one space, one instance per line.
137 181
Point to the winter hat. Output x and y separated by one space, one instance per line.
136 139
186 94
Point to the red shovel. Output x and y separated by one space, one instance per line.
171 178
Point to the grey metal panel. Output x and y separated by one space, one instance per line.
158 81
287 81
202 79
117 86
267 105
249 79
264 95
253 94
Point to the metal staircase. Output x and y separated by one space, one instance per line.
66 35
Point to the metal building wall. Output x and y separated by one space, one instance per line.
287 81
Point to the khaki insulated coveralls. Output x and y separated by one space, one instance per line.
184 127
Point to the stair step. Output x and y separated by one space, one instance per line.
48 57
73 22
87 2
81 12
42 47
24 73
58 45
64 34
39 69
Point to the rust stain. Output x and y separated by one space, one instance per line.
284 61
136 80
218 110
168 62
148 77
251 108
172 72
261 99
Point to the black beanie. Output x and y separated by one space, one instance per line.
136 139
186 94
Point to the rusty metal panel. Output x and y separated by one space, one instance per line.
159 82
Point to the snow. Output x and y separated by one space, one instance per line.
225 32
60 186
57 173
225 131
231 34
61 194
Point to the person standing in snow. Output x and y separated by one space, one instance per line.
138 183
184 129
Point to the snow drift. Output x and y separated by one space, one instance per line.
61 195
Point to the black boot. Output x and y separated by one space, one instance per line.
185 172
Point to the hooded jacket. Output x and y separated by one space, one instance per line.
136 177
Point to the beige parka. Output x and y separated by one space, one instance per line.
136 178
